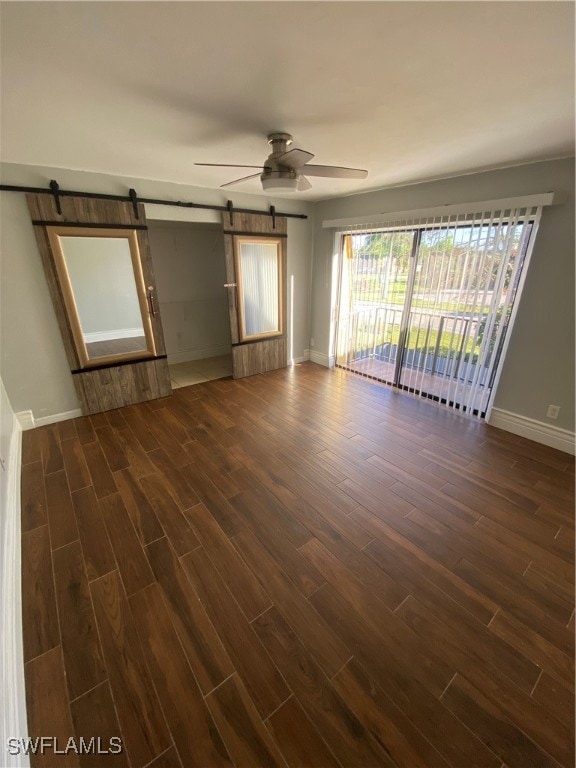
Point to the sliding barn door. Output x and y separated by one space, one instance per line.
97 262
255 248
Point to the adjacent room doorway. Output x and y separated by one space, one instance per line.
190 275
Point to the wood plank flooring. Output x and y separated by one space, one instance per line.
301 568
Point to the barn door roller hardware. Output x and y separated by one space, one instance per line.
57 193
134 199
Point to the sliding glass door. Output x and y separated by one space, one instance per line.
373 297
426 307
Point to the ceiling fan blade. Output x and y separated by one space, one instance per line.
237 181
303 184
335 172
295 158
227 165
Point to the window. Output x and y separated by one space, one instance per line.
259 277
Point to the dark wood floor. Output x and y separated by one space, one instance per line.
301 568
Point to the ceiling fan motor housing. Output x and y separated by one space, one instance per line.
276 176
279 143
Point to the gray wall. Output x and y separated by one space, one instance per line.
7 428
539 367
33 364
190 275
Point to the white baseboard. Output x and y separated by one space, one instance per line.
302 359
119 333
14 721
322 359
198 354
540 432
27 421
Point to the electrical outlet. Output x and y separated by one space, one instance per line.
553 411
311 342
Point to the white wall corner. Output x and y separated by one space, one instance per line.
539 431
26 420
302 359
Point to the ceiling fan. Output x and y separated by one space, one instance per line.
286 169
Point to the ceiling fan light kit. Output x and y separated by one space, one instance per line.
276 181
285 170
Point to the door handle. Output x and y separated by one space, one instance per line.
151 306
232 285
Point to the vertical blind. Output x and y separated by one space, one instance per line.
425 304
259 274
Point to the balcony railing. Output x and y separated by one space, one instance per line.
445 345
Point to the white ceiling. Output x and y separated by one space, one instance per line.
408 90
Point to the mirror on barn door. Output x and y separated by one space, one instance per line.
108 304
96 257
255 248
